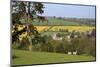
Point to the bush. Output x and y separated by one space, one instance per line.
60 48
87 46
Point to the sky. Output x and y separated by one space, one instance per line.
71 11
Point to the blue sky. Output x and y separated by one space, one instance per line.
75 11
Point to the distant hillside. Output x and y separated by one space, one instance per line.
55 21
66 21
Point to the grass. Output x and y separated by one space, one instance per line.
54 21
50 33
23 57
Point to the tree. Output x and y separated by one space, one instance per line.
27 11
82 45
74 44
90 48
58 34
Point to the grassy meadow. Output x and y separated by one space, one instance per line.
26 57
55 21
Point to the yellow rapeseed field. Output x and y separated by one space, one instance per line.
56 28
70 28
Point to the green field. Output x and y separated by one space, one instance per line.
53 21
23 57
52 33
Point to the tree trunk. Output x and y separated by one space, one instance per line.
30 43
29 38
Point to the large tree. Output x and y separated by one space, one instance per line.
26 11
